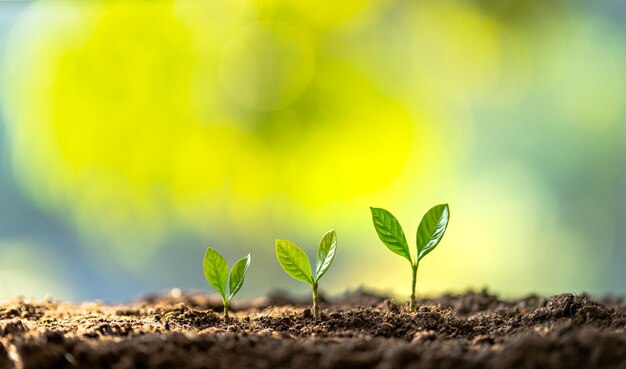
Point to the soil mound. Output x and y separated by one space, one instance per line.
358 330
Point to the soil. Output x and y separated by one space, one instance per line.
357 330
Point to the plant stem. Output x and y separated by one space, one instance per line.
412 301
316 308
226 306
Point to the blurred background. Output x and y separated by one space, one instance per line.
135 134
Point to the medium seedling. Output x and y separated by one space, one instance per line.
429 234
216 273
296 263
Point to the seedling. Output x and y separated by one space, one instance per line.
216 273
429 233
295 262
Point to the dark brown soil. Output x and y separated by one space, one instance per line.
359 330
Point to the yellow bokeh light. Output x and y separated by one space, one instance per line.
150 128
125 137
266 66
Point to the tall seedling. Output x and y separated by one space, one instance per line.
429 233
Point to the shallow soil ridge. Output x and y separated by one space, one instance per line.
358 330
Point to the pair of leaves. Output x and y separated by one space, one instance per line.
216 273
429 232
296 263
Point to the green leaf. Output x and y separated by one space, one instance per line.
238 274
294 261
431 229
325 253
390 232
215 271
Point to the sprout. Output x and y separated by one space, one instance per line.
429 233
296 263
216 273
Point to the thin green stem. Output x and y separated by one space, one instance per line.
226 306
316 308
412 301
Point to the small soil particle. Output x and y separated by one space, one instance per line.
358 330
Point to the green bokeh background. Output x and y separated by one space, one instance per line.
135 134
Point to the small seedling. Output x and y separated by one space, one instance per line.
295 262
429 233
216 273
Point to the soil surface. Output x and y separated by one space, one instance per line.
358 330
